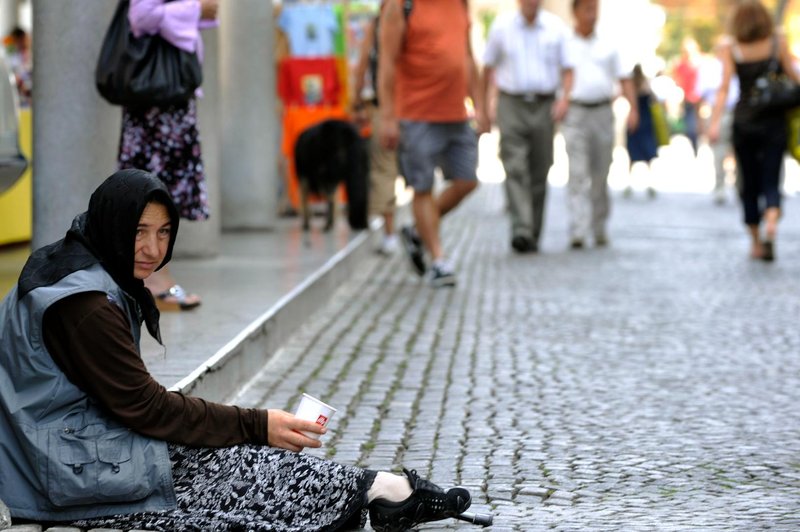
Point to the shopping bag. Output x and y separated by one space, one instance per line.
660 127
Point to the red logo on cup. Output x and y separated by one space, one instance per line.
322 420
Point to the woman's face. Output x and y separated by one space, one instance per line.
152 240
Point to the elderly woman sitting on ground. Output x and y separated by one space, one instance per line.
88 437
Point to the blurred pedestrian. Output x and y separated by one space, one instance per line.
426 73
164 140
759 133
20 60
527 59
709 77
88 437
589 125
382 161
685 74
641 138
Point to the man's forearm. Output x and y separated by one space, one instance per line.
567 79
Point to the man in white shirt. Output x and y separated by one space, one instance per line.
589 126
526 58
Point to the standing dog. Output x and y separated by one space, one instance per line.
326 154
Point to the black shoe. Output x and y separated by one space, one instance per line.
428 502
576 243
413 247
441 275
522 244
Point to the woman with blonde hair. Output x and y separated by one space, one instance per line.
759 131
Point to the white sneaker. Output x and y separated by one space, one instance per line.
441 274
389 245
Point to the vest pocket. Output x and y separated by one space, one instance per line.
96 467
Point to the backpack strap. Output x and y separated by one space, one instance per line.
408 5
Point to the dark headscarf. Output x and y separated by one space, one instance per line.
106 234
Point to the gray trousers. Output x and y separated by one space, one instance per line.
722 148
589 136
526 149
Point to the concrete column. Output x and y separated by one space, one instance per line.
8 16
75 132
249 123
25 14
202 239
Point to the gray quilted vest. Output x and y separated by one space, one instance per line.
62 457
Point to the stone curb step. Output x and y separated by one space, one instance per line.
219 377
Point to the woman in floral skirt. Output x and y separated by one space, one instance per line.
164 140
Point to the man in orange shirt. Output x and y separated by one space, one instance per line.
426 72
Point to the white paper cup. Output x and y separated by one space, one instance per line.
312 409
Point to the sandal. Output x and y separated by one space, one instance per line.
175 298
768 251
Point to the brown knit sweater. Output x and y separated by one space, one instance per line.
90 339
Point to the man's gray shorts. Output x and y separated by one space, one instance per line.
452 146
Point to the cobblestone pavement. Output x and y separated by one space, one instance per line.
650 385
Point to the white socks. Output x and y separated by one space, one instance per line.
390 487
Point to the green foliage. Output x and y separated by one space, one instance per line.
678 26
704 30
486 17
674 32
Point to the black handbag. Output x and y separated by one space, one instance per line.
144 71
773 90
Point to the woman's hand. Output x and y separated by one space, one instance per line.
559 109
633 119
713 131
208 9
282 431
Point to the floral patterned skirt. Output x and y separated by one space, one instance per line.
165 141
254 488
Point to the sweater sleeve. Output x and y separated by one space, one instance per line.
177 21
89 338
